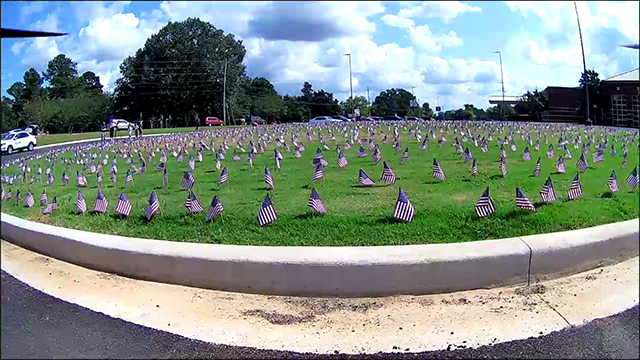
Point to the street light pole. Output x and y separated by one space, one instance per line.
502 82
584 66
350 81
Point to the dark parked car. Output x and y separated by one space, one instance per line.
392 118
257 120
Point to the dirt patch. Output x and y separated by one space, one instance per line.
458 301
279 319
529 290
593 276
322 306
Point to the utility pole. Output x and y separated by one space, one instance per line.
368 102
584 66
438 104
502 82
224 94
350 81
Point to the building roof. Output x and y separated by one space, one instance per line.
631 75
508 99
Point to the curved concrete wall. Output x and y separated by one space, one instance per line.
331 271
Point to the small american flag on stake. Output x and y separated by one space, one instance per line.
128 177
582 163
29 200
267 213
342 160
404 210
474 167
632 179
153 207
437 171
613 182
536 171
523 202
43 198
215 209
123 207
388 176
224 177
315 202
548 193
187 181
268 179
364 179
405 156
575 190
192 204
81 205
101 203
484 206
318 172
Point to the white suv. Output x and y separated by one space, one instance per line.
18 141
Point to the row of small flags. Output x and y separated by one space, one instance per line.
404 210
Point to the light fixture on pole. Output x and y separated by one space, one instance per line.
350 81
502 82
584 67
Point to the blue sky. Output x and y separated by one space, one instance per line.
443 49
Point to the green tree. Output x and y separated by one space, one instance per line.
357 102
427 111
392 101
533 103
62 76
179 72
91 82
597 98
32 84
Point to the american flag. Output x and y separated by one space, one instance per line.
49 179
474 167
54 204
267 212
129 177
632 179
297 153
613 182
320 155
48 209
575 190
347 146
582 163
191 164
598 156
536 171
80 179
513 146
278 155
342 160
101 203
18 196
315 202
376 156
179 158
160 167
362 152
484 206
466 155
187 181
29 201
547 192
1 192
613 150
218 164
153 207
404 210
99 177
526 154
81 205
503 167
163 157
277 163
522 201
199 156
567 153
364 179
318 173
43 198
405 156
215 209
560 165
425 144
624 162
268 179
437 171
550 152
388 176
9 195
123 207
503 152
224 177
192 204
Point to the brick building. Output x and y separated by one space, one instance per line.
623 92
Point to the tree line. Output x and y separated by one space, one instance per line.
191 69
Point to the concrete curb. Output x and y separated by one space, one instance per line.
332 271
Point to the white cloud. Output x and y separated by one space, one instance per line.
422 37
50 23
396 21
30 8
17 47
444 10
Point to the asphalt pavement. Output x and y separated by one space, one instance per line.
36 325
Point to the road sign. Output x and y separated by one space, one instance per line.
438 109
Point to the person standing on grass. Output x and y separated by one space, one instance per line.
112 129
197 122
140 128
130 130
103 131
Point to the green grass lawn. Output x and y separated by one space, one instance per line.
62 138
356 216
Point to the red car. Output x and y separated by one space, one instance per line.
213 121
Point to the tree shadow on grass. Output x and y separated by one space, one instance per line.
305 186
388 220
309 215
466 180
433 181
117 216
540 204
516 213
495 177
532 176
607 195
210 171
263 188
